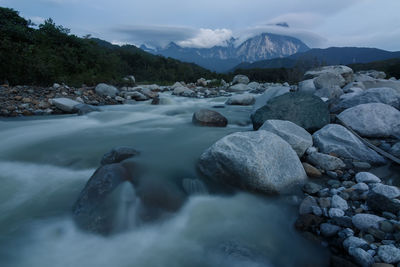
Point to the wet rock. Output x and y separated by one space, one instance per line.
260 161
361 257
325 162
89 209
365 221
308 205
311 188
311 171
243 100
389 254
297 137
85 109
308 222
334 138
118 154
206 117
329 230
367 177
303 109
106 90
373 120
386 190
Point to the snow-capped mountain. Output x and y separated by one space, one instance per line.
224 58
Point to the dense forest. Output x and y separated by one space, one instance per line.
391 67
48 53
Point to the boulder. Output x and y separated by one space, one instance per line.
65 104
106 90
303 109
362 257
329 80
373 73
329 92
346 72
118 154
373 120
379 83
297 137
90 210
254 85
325 162
240 79
238 88
307 86
136 96
334 138
243 100
269 94
183 91
389 254
387 96
259 161
206 117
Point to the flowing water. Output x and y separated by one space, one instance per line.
46 161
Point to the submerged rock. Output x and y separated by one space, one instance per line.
304 109
90 210
206 117
260 161
118 154
334 138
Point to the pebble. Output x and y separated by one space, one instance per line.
329 230
360 187
361 165
311 188
364 221
386 226
367 177
335 212
338 202
345 233
307 205
354 242
324 202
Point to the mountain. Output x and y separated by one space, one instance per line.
328 56
224 58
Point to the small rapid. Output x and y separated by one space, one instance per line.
46 161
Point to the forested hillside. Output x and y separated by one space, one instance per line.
48 53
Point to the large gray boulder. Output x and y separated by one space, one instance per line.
65 104
269 94
329 92
206 117
106 90
307 86
384 95
334 138
260 161
243 79
297 137
329 80
304 109
377 83
346 72
373 120
243 100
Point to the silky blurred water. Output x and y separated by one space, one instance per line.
46 161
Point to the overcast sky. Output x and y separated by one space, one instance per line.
204 23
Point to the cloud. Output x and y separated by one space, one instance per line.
155 35
299 20
206 38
